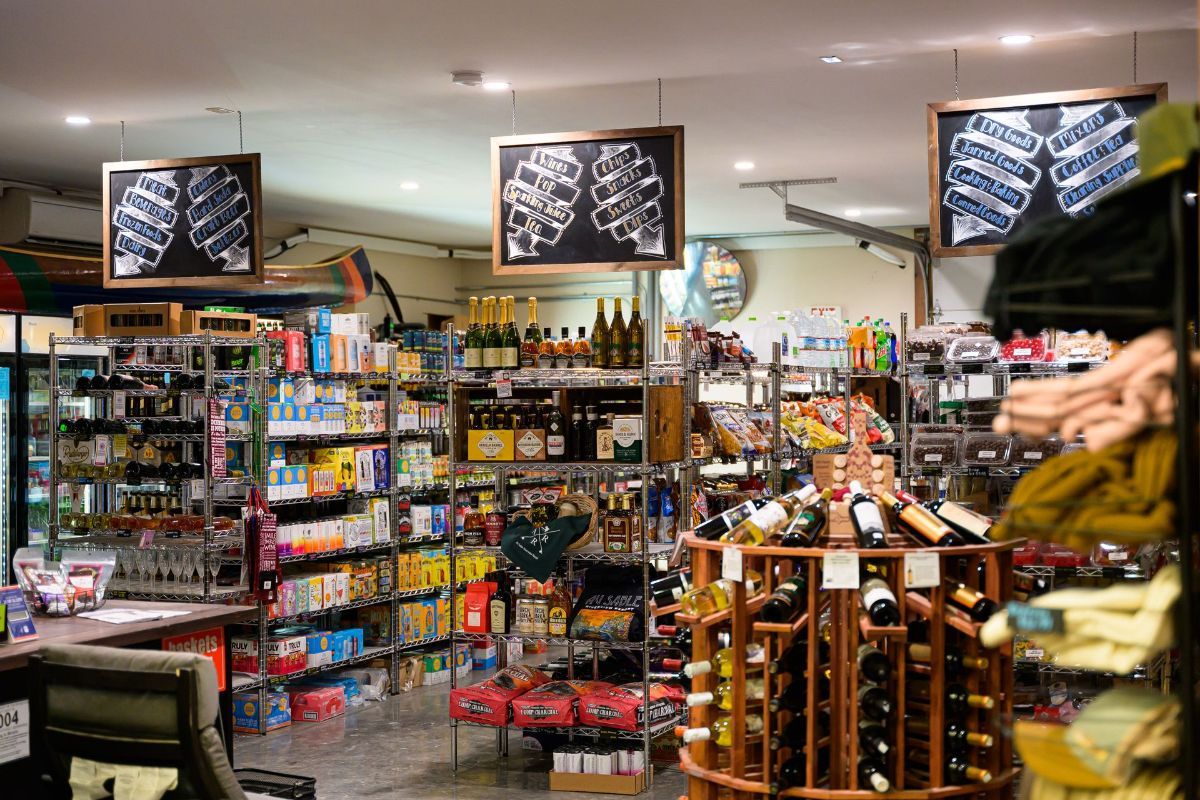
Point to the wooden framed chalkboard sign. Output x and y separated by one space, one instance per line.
999 163
183 222
588 201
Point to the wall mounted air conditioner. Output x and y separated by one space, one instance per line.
41 218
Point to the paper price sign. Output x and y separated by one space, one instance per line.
731 563
840 571
14 731
504 388
922 570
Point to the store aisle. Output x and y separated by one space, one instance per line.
400 748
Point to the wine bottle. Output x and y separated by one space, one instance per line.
722 661
809 524
794 771
716 527
793 660
768 520
721 731
872 737
785 602
956 661
975 528
510 357
958 736
635 348
723 696
493 338
794 698
473 345
618 337
670 588
870 773
600 336
880 602
866 519
680 638
959 700
979 606
873 664
874 703
958 769
556 430
921 523
717 596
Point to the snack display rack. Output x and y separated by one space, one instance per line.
593 472
831 677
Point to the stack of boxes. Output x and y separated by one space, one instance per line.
319 587
316 340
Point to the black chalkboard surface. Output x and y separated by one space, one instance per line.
591 201
183 222
999 163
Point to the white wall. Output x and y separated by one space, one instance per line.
960 285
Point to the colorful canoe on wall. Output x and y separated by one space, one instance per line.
34 282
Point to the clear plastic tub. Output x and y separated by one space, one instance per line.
986 449
980 404
923 346
972 349
1021 349
1034 452
1080 346
934 450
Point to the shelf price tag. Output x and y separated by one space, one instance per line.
503 387
118 405
731 563
840 571
100 451
14 731
922 570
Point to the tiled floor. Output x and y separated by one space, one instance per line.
400 748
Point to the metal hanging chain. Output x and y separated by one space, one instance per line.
122 156
1135 57
241 141
660 102
514 99
956 73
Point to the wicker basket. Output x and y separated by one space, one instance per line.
585 505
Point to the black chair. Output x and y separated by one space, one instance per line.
144 708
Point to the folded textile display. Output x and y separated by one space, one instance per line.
537 549
1158 783
1106 405
1113 629
1120 494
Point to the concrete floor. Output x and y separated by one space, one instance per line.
400 748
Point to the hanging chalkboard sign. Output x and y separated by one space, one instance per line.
590 201
183 222
999 163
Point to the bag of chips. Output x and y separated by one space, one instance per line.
610 609
554 704
488 702
620 707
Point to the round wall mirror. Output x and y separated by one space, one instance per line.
711 285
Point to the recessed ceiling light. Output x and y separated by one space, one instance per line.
852 212
831 59
75 119
744 166
410 186
497 86
466 77
1016 38
220 110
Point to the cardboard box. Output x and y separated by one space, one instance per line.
317 704
293 349
320 353
142 319
246 711
627 440
88 320
529 444
221 323
490 445
600 784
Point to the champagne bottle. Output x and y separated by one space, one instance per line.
874 703
785 602
473 346
927 528
880 602
873 664
769 519
958 736
722 661
717 596
959 701
956 662
635 350
872 737
870 774
809 524
723 696
866 519
721 731
510 358
493 340
715 527
618 337
532 343
979 606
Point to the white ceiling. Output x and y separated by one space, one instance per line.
345 100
